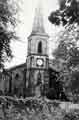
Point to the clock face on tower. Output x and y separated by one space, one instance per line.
39 62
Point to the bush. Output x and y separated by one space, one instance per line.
73 115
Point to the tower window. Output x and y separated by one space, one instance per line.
40 47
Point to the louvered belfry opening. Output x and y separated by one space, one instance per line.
40 47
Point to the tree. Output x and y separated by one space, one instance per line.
68 50
8 10
68 45
67 13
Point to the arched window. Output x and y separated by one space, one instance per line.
17 76
40 47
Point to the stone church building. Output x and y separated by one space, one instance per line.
32 77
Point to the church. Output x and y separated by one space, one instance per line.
32 77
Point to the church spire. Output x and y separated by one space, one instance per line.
38 25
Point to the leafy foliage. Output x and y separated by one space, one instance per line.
7 23
55 87
37 109
68 16
68 45
73 115
67 13
68 51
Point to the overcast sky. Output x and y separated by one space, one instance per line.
24 28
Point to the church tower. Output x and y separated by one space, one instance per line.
37 58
